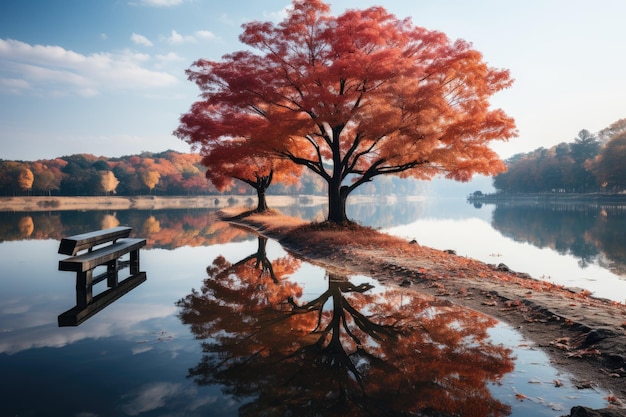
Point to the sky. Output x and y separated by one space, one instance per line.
107 77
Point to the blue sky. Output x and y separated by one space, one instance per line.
107 76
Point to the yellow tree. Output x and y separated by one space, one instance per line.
150 179
353 97
25 179
108 181
149 173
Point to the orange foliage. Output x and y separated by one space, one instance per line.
26 226
25 179
353 97
390 353
235 159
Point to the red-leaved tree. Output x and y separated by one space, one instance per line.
234 159
353 97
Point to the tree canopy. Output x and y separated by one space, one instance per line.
352 97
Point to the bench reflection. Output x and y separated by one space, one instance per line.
85 309
96 250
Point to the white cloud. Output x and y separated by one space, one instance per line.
36 331
14 85
164 60
161 3
140 39
176 38
53 70
205 34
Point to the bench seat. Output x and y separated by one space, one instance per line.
90 260
74 244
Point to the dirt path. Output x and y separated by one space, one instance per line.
584 336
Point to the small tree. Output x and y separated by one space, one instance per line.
234 160
108 182
25 179
150 179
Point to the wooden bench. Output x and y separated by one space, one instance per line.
91 250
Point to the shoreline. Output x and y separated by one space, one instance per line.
587 198
582 335
30 204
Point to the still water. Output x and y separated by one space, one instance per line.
229 324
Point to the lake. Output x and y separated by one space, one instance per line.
230 324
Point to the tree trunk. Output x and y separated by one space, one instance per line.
261 200
337 197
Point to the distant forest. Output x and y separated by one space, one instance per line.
165 173
589 164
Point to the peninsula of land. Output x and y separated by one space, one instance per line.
583 335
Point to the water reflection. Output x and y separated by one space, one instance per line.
583 243
87 306
165 229
351 350
590 232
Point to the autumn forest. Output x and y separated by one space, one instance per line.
163 173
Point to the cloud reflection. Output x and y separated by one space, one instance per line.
119 322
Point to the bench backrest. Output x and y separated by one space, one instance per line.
74 244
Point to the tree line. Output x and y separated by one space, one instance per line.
164 173
590 163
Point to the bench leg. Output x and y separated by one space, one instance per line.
84 288
112 275
134 262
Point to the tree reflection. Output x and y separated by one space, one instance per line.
349 351
589 232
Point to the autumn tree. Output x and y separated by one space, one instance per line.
25 179
108 182
150 179
234 160
149 173
354 97
48 175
